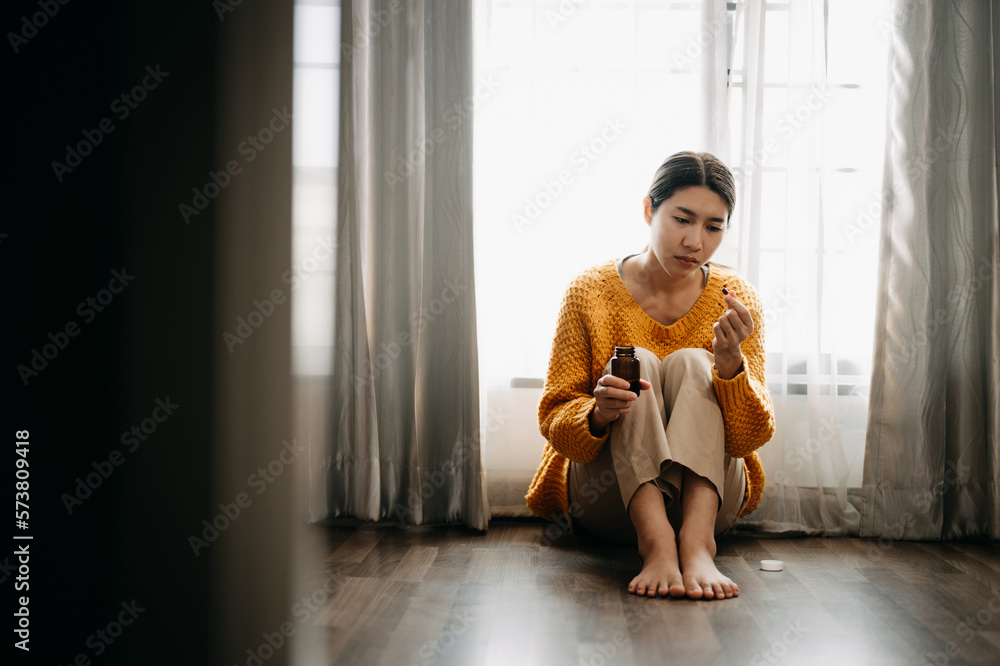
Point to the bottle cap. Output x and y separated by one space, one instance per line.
771 565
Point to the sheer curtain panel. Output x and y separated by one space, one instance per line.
807 79
404 440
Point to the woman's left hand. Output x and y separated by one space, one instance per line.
732 328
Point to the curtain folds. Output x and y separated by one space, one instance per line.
404 430
933 455
791 246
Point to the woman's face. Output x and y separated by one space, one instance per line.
686 229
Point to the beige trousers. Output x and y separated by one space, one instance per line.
674 427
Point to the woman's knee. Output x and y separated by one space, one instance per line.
646 356
688 360
688 366
649 363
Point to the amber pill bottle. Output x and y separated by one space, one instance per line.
624 364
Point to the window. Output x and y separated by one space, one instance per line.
591 97
314 158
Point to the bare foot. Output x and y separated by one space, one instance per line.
657 545
702 580
660 575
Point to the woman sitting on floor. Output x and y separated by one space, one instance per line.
673 467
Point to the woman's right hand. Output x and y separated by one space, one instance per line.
614 398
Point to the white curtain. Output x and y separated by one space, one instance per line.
590 98
403 436
934 437
807 98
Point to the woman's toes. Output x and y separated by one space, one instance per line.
658 578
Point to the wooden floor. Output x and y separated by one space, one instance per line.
435 595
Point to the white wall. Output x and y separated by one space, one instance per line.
513 447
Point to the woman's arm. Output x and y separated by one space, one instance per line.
742 391
567 400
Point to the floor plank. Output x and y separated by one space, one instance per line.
444 595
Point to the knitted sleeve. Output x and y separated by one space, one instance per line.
746 404
567 400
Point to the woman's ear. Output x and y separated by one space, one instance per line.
647 210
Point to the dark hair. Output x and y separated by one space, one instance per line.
685 169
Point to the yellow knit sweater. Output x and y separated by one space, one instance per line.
597 313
